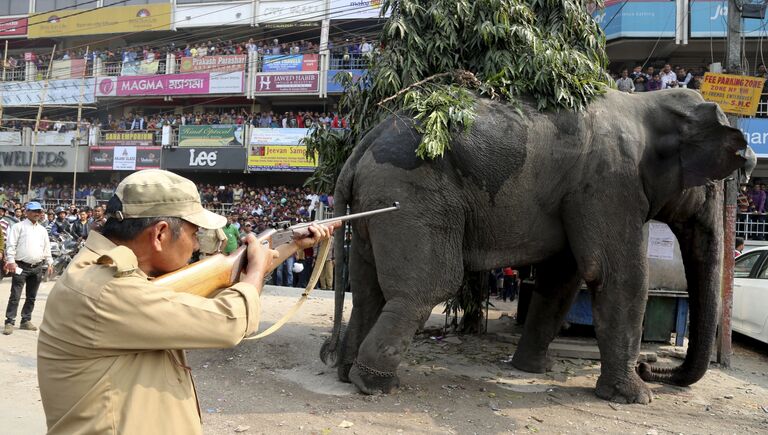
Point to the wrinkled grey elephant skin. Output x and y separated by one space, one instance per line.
567 192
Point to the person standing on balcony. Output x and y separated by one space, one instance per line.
28 252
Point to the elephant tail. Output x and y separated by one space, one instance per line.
700 241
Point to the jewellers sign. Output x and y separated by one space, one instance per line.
205 159
171 84
48 159
124 158
277 83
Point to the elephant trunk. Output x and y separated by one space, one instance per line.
700 241
329 349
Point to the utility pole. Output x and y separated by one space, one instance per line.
731 186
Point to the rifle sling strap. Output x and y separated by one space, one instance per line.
324 249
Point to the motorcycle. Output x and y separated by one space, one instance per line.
64 247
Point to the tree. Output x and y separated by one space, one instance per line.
436 56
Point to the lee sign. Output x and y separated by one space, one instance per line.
205 159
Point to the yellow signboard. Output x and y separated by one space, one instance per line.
739 95
108 19
279 158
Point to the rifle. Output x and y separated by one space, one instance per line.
208 276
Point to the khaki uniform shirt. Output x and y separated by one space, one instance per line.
109 355
211 240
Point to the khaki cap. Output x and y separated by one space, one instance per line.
155 193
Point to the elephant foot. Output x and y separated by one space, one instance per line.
372 381
628 389
343 372
531 363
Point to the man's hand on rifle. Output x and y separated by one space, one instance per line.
317 233
260 258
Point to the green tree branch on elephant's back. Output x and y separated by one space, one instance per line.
436 53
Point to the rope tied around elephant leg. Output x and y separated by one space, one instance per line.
371 371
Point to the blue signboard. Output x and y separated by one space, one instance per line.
335 88
756 133
636 19
709 18
290 62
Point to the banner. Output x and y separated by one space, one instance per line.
56 138
336 88
213 63
59 92
636 19
739 95
206 159
139 67
10 138
129 138
68 69
272 83
171 84
709 17
124 158
279 158
49 159
756 133
210 135
112 19
13 27
290 62
278 136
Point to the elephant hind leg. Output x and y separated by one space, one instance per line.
557 283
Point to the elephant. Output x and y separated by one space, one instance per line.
566 191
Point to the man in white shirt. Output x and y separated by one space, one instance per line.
27 253
668 77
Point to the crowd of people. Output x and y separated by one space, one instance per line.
655 79
751 206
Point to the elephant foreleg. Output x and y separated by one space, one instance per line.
557 283
367 304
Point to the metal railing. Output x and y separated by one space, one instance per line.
350 61
752 226
14 74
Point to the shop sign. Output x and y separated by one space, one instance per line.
278 136
13 27
56 138
213 63
171 84
346 9
205 159
129 138
290 62
288 11
276 83
113 19
10 138
280 158
48 159
124 158
210 135
58 92
333 86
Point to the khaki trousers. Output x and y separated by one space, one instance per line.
326 278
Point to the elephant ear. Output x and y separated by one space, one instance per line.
710 149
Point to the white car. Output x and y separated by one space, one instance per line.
750 294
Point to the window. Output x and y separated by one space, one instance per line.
49 5
745 264
14 7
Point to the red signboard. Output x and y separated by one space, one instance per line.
13 27
287 83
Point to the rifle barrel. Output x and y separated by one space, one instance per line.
395 206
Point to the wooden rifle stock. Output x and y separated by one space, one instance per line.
210 275
207 276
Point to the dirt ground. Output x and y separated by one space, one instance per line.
450 385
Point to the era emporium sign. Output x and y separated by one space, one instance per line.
171 84
205 159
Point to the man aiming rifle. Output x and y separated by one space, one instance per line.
110 351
